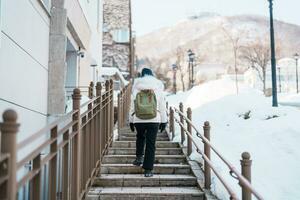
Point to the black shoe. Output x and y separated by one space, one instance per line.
138 161
148 173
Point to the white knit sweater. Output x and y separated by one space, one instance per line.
152 83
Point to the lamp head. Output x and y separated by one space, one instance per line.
191 54
296 56
174 67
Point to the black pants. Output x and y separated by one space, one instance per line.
146 133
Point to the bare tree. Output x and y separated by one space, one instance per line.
235 42
257 55
179 62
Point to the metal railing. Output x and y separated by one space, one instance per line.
244 178
67 153
124 101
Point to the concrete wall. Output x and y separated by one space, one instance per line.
83 31
25 58
93 12
24 62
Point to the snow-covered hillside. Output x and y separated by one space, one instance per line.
271 135
206 36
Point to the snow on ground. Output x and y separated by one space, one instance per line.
271 135
289 99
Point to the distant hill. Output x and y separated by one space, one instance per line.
208 35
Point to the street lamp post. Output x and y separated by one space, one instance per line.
296 56
191 55
174 68
279 79
273 56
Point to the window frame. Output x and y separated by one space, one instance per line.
118 35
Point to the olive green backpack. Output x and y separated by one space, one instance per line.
145 104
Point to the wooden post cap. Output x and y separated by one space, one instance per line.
76 94
10 116
107 84
98 86
9 124
246 156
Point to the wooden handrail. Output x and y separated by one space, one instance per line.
124 101
243 181
73 151
42 132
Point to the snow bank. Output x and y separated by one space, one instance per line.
270 134
289 99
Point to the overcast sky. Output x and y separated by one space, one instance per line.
149 15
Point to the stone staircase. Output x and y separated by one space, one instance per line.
174 177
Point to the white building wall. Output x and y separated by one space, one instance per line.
93 13
24 55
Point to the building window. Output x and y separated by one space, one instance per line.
121 35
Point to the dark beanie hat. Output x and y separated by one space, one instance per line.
147 72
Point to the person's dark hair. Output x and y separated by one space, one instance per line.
147 72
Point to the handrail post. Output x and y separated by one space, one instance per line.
36 181
91 90
98 121
87 143
246 172
111 99
182 122
125 105
76 154
66 165
207 170
172 122
107 117
53 165
119 113
189 129
122 108
9 128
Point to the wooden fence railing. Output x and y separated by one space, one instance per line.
64 156
124 100
184 120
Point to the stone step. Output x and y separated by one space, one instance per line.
131 144
121 138
138 180
131 151
146 193
134 134
159 159
158 169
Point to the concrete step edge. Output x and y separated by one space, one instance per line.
148 190
155 165
133 156
141 176
121 148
